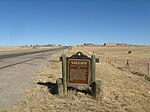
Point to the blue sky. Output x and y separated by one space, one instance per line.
72 22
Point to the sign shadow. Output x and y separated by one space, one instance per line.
52 87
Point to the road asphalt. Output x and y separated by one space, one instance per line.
17 71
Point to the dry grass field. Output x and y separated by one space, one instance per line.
11 48
22 48
139 58
122 91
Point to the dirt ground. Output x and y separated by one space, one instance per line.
12 48
121 90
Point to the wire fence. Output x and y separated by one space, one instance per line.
137 66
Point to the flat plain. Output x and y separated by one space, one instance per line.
122 91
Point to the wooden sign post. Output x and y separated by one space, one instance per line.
78 70
64 75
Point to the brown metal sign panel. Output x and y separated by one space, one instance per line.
79 72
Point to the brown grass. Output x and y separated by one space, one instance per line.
122 91
118 56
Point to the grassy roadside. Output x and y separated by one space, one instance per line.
122 91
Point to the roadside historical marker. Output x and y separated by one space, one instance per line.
78 70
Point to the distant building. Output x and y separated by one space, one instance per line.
109 44
88 44
29 45
115 44
121 44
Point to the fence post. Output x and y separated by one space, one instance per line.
93 68
64 74
127 66
148 69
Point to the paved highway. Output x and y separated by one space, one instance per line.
9 58
16 70
4 55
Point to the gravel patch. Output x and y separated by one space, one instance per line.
14 80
